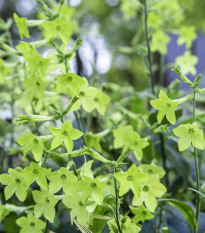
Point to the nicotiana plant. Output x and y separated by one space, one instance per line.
46 183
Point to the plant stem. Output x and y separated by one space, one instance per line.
196 160
116 205
148 46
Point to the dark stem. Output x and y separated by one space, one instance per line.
148 46
164 164
116 205
196 161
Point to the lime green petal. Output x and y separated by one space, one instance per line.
37 151
75 134
42 181
170 114
181 130
49 213
55 186
163 96
21 193
9 190
68 143
151 202
124 188
5 179
184 142
24 139
38 196
21 221
198 140
54 131
57 141
161 115
88 104
157 189
67 126
157 104
39 209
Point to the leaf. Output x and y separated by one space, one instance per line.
185 209
81 228
196 191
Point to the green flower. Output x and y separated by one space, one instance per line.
187 63
35 89
126 137
93 187
21 24
123 136
127 226
70 82
130 179
5 70
80 207
36 173
93 141
45 204
31 143
152 169
61 179
166 107
86 97
100 102
14 182
149 190
65 134
141 214
58 27
189 134
187 35
30 224
159 42
137 144
27 49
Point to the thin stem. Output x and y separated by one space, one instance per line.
73 165
116 205
196 161
148 46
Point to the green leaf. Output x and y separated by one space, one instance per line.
185 209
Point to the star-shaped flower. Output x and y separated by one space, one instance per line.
141 214
33 143
189 134
65 134
15 184
80 207
166 107
130 180
152 169
36 173
30 224
45 204
61 179
150 189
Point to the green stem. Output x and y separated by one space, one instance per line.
148 46
196 160
74 99
73 165
116 205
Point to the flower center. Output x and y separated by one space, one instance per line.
168 105
82 93
47 200
150 171
69 78
130 178
96 99
35 171
65 132
191 130
63 176
80 203
145 188
144 212
32 224
35 140
37 83
93 185
58 28
17 180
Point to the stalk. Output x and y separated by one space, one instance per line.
116 205
148 46
196 160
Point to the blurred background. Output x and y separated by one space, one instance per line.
112 31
